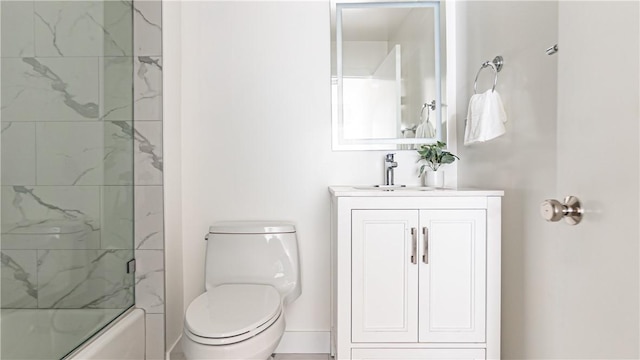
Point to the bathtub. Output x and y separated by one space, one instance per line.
52 333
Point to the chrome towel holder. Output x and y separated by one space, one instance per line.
430 107
496 65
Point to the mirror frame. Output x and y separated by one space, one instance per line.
337 120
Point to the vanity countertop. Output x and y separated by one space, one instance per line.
421 191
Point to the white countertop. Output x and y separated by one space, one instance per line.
369 190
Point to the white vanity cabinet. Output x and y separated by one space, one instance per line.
416 274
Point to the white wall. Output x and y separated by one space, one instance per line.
256 132
522 162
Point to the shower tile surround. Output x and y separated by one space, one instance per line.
61 80
149 223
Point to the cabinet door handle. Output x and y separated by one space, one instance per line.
414 246
425 236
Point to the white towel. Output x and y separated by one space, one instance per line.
425 130
485 118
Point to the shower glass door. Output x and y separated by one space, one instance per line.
66 82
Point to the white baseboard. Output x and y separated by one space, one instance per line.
304 342
175 351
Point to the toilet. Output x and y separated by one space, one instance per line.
252 272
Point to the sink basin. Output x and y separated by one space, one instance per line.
394 188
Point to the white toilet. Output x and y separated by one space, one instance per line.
252 272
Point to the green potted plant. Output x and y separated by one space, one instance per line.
433 156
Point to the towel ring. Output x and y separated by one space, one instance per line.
428 106
496 65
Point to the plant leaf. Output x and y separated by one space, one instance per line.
434 155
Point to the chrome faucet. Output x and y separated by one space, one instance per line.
389 165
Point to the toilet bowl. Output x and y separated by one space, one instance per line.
252 273
239 321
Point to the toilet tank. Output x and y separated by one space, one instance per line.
254 253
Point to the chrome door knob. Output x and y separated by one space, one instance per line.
553 210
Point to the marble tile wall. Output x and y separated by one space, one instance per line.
72 80
149 223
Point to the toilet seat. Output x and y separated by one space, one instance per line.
232 313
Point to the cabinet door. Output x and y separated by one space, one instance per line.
418 354
384 278
452 276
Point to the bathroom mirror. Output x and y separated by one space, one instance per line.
386 75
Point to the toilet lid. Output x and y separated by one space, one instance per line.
252 227
232 309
